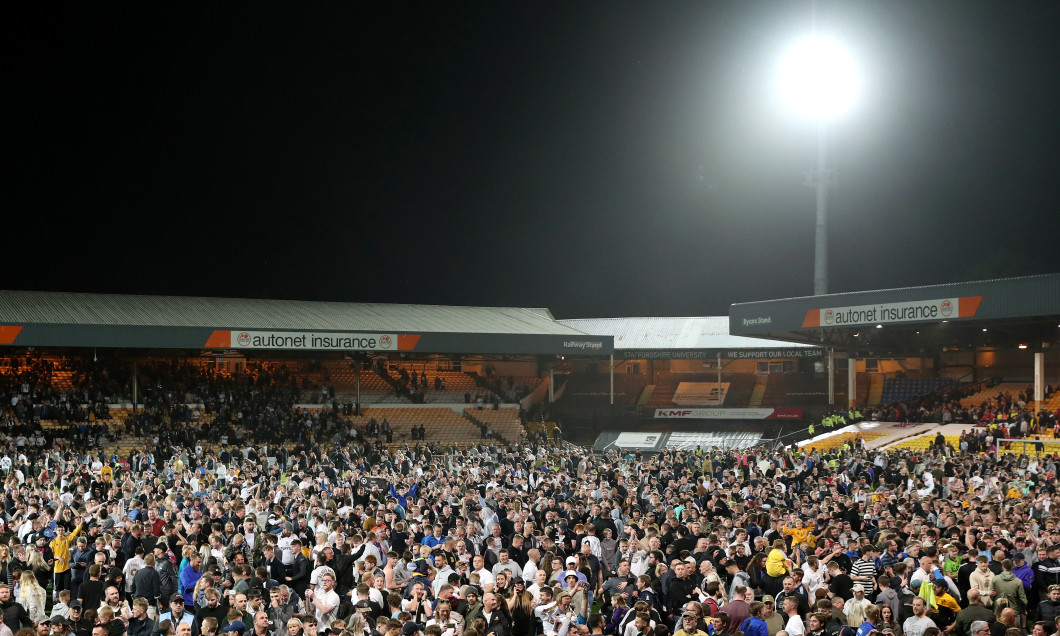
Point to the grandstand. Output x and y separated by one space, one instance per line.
737 394
448 361
921 443
1051 403
900 389
373 388
786 389
990 395
835 442
583 390
442 425
303 401
504 422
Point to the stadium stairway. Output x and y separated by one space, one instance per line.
875 390
759 392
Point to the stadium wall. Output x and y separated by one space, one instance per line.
500 368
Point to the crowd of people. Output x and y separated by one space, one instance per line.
1014 412
294 526
345 539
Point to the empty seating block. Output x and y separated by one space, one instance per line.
504 422
442 425
921 443
741 385
835 442
902 389
796 389
990 395
595 390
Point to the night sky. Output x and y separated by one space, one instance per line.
596 158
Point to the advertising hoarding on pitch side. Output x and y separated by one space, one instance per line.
730 414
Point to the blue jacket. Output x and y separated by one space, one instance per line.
403 500
754 627
188 578
1025 574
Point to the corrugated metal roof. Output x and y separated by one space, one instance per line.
1024 297
62 308
1038 284
708 332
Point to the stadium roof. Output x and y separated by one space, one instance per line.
106 320
669 338
1006 313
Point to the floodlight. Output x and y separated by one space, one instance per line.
818 78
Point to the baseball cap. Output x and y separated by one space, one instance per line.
75 605
767 599
572 560
176 598
235 626
410 628
858 587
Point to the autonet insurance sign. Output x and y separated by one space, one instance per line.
885 313
313 341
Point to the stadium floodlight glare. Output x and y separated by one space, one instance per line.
818 78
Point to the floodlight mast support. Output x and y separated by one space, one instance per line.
821 179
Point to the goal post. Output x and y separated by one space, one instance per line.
1023 442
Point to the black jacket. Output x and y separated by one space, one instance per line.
499 623
147 583
680 592
84 627
300 571
167 577
15 616
202 613
145 627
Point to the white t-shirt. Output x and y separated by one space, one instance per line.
529 572
794 626
324 620
485 577
914 626
314 576
284 544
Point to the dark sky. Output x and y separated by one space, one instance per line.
597 158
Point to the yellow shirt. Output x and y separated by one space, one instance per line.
776 564
798 534
61 550
947 601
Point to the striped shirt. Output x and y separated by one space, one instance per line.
864 568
